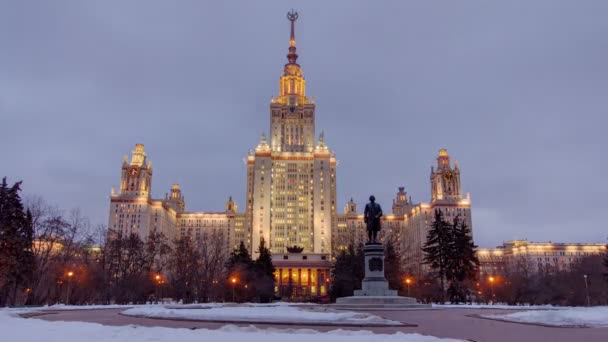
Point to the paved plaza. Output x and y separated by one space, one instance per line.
453 323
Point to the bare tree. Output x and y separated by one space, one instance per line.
213 257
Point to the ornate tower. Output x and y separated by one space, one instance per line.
176 200
231 207
291 183
401 204
350 209
292 114
136 176
445 181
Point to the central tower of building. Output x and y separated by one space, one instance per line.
291 180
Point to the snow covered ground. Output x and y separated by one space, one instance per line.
497 306
565 316
58 307
270 313
13 328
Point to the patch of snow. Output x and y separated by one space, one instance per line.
498 306
35 330
60 307
264 314
588 317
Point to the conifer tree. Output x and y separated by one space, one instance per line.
16 239
239 255
438 248
264 273
240 268
392 266
464 257
348 272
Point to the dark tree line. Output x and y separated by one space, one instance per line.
49 257
451 255
522 283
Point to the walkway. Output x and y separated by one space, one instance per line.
454 323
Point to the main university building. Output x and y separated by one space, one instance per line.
290 199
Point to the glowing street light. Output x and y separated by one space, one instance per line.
233 280
159 281
491 279
70 275
408 281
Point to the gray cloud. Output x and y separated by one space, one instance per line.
516 91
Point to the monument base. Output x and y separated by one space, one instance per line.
375 293
378 302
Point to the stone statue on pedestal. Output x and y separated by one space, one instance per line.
372 215
375 292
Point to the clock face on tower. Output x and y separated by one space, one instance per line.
134 171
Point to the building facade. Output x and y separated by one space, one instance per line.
446 195
534 257
290 199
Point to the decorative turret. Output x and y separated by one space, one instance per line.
136 176
321 147
230 206
445 181
263 145
401 205
176 200
351 208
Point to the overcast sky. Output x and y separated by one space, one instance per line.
517 91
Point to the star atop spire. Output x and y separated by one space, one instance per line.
292 56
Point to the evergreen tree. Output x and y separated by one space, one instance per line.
438 248
348 272
240 268
239 255
264 274
392 266
16 239
463 263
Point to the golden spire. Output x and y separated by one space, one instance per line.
292 56
292 86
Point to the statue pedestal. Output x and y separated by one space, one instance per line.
374 283
375 293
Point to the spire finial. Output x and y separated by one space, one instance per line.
292 56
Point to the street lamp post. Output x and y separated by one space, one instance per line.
408 281
233 289
491 279
158 279
587 290
70 275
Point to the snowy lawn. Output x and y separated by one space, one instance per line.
561 317
280 313
498 306
35 330
60 307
